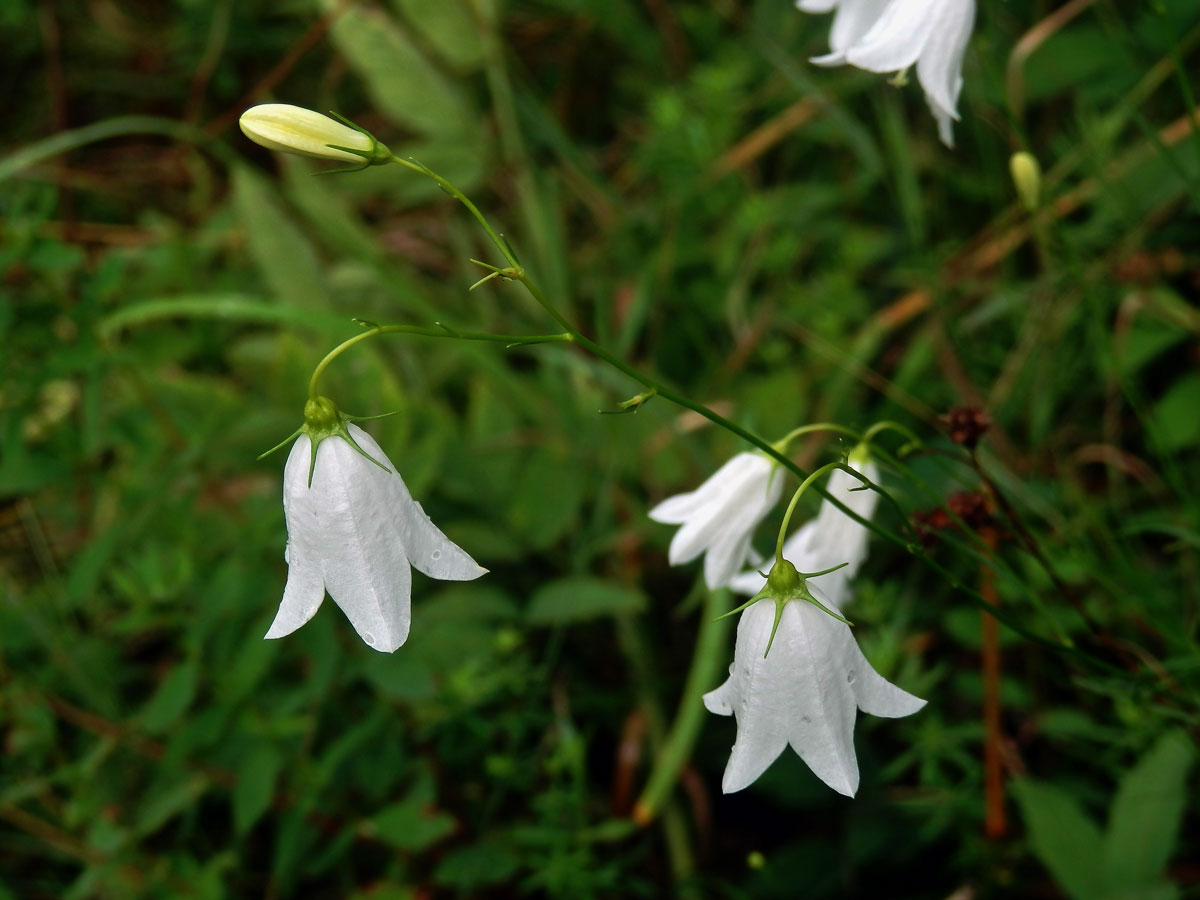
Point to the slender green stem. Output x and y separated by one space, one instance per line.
913 547
791 507
497 239
676 750
784 441
887 425
641 662
445 332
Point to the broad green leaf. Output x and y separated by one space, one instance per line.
412 824
285 257
548 496
578 598
402 84
1145 816
466 869
256 778
401 676
449 26
172 698
1062 836
1176 423
327 211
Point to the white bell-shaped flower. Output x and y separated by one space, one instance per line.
805 692
719 517
893 35
831 537
353 531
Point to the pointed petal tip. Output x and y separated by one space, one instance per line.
840 780
716 703
837 58
390 644
731 784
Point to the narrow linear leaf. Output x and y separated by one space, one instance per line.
256 779
228 307
172 698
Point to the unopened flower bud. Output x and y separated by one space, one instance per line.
293 129
1027 176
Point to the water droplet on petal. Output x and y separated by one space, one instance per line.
805 720
436 554
850 676
368 637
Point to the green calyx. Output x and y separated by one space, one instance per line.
377 155
859 456
785 584
322 419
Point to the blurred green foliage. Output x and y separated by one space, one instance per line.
785 243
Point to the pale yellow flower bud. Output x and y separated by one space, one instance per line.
1027 176
293 129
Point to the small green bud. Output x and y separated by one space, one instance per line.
859 456
784 582
321 417
1027 176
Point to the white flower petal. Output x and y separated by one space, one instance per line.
725 556
945 123
816 6
842 539
681 507
677 509
837 58
821 730
897 38
854 18
365 567
305 589
757 691
427 548
719 700
939 70
879 697
720 516
692 539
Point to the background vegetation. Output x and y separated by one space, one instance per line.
786 243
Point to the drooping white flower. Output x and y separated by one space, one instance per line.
831 537
892 35
294 129
806 692
354 531
720 516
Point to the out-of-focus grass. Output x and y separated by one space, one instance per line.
786 243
